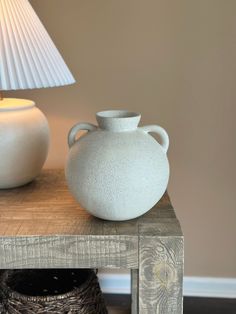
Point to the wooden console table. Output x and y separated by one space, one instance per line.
41 226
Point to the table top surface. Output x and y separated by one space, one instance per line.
45 207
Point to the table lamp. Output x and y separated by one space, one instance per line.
28 59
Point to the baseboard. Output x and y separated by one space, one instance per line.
114 283
210 287
193 286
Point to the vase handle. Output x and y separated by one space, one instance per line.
161 132
79 127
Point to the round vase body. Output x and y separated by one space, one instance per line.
117 171
24 141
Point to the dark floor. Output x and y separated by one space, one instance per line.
209 306
191 305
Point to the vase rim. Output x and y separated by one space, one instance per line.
118 120
117 114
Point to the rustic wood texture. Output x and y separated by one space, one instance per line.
42 226
160 274
68 252
45 207
134 290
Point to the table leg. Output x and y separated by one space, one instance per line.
134 291
160 275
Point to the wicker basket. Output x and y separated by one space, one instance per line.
66 291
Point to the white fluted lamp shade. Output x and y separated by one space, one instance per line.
28 59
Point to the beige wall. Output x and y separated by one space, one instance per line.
175 62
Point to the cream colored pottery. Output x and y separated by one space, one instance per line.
24 140
117 171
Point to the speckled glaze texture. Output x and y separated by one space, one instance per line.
117 171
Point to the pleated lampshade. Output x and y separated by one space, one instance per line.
28 57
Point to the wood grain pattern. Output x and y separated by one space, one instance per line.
134 291
160 275
45 207
69 252
42 226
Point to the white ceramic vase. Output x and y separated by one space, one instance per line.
24 141
117 171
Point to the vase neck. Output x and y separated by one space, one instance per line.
118 120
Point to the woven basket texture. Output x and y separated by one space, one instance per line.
66 291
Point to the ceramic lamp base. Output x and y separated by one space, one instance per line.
24 141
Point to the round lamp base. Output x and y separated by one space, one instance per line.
24 142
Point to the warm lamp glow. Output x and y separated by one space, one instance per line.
15 103
28 59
